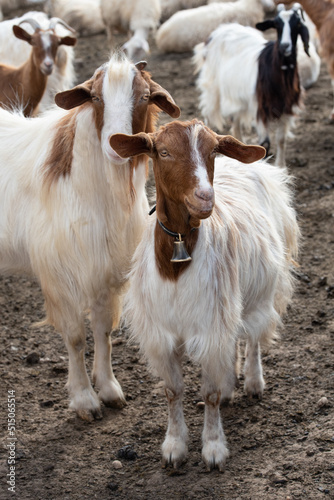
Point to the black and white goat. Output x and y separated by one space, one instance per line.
250 80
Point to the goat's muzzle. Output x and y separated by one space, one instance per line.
46 68
285 49
200 204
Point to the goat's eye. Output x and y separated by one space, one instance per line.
163 153
214 152
95 98
145 97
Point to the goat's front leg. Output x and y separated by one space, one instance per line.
281 135
254 382
175 445
84 400
236 129
263 135
105 316
218 378
331 117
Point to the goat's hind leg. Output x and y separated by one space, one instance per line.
105 316
254 381
260 326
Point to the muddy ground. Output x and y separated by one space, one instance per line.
281 447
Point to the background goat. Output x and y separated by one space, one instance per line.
36 73
72 211
237 283
250 80
83 15
321 13
172 36
139 17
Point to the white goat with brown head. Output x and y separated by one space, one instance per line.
24 86
230 280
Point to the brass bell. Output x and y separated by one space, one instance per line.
180 253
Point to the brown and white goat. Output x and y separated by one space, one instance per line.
72 211
237 225
321 12
24 86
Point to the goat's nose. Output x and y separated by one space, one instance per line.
285 48
205 194
47 67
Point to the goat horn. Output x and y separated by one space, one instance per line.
33 23
56 20
299 10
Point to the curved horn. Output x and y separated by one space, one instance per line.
33 23
56 20
299 10
280 7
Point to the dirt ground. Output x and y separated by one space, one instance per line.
280 447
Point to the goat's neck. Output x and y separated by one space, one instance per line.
316 10
33 85
175 218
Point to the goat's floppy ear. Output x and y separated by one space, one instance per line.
305 36
21 34
67 40
131 145
265 25
161 98
229 146
72 98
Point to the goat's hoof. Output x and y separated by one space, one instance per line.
89 415
174 452
86 404
254 389
215 454
118 404
227 400
111 394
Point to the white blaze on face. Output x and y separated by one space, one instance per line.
118 103
201 172
286 33
47 63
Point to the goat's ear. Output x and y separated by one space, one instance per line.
161 98
72 98
229 146
305 36
131 145
67 40
21 34
265 25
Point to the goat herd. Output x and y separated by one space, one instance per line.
214 261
